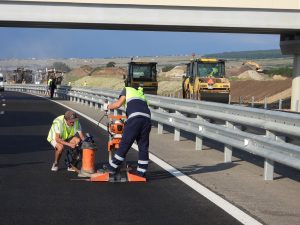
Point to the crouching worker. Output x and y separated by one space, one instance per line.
137 127
65 131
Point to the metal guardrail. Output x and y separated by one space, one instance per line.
257 131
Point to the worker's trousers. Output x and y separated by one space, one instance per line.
137 128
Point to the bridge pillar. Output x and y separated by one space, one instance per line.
290 45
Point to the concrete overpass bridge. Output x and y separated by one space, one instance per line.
263 16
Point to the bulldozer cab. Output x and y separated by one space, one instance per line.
142 74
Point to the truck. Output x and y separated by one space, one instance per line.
23 75
142 74
55 74
1 82
205 80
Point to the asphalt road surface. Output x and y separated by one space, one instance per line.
30 193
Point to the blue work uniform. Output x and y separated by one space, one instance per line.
137 127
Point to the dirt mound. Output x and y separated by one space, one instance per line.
109 71
258 89
250 75
279 77
81 71
177 71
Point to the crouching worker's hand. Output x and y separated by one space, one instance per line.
72 145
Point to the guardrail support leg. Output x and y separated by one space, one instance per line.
227 153
199 143
268 169
177 134
160 128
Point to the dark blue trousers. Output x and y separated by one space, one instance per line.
136 128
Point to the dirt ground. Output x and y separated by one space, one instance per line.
258 89
244 83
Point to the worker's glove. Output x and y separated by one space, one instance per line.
105 106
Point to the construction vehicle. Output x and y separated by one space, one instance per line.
205 80
253 66
56 75
23 75
142 74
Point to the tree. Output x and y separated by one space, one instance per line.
111 64
61 66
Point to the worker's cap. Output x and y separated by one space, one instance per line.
70 115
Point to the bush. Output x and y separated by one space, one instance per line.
167 68
61 66
283 71
111 64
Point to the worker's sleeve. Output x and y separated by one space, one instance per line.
123 93
56 129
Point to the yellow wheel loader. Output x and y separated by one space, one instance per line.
142 74
205 80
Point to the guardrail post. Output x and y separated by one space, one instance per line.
280 104
268 169
199 139
160 128
227 148
199 143
176 134
269 164
266 103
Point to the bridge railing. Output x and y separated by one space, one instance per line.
257 131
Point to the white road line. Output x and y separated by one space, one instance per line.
216 199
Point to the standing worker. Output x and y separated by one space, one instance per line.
137 127
63 132
52 87
49 85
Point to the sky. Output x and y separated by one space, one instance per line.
45 43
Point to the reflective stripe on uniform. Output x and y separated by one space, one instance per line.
113 165
143 162
119 157
141 170
139 114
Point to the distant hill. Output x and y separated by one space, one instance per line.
260 54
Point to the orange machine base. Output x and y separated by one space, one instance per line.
100 177
135 178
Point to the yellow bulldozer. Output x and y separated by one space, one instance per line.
142 74
205 80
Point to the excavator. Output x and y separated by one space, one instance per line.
205 80
253 66
142 74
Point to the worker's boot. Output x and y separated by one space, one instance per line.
108 168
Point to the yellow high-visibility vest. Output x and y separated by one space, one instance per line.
64 133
